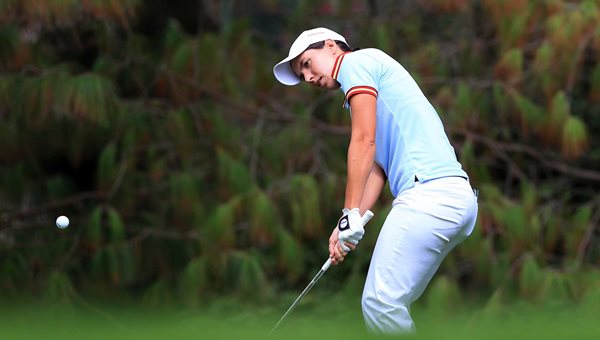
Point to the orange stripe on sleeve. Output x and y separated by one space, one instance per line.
361 89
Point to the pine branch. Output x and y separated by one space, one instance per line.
555 163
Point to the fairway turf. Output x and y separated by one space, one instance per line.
314 320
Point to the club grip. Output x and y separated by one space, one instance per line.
367 217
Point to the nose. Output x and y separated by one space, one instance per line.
308 76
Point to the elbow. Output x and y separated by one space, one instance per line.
365 140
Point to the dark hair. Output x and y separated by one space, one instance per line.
318 45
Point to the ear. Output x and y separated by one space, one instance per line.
331 46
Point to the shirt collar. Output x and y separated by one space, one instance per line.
336 66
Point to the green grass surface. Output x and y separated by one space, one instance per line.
316 318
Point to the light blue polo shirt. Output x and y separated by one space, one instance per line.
410 138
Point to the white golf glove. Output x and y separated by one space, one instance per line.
351 227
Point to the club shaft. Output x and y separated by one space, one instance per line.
310 285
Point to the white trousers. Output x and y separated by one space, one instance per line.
425 223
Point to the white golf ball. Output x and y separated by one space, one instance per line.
62 222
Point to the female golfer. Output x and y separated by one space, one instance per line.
398 137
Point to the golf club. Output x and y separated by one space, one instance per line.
365 219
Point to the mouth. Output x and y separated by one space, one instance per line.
318 82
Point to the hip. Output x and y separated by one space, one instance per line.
450 192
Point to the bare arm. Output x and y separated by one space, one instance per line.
373 187
375 183
361 153
361 150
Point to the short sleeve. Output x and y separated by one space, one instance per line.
357 73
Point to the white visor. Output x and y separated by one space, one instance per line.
283 70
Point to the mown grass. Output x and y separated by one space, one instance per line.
319 317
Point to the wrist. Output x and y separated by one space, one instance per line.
355 210
352 211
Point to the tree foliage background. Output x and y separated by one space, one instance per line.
189 173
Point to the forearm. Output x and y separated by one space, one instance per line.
361 152
375 183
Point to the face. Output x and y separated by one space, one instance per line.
314 66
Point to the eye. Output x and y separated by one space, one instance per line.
306 63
